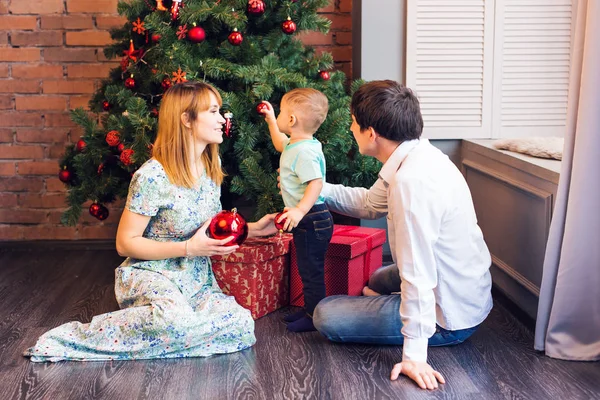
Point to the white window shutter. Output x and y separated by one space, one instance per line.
531 67
449 64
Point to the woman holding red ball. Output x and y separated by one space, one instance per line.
171 305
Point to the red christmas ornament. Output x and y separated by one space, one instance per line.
166 83
196 34
80 146
280 225
113 138
121 147
324 75
262 108
100 168
256 7
130 83
154 112
94 209
105 105
228 116
288 26
64 175
229 223
235 38
175 7
126 155
100 212
155 38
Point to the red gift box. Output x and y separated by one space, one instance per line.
354 253
256 274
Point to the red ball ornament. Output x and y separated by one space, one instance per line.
105 105
280 225
288 26
256 7
324 75
126 155
196 34
64 175
80 146
113 138
229 223
235 38
94 209
130 83
166 83
121 147
156 38
262 108
102 213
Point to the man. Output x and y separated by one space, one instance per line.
439 290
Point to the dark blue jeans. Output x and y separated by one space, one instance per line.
375 320
311 238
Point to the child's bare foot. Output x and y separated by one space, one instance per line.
369 292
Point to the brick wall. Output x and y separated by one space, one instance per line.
51 61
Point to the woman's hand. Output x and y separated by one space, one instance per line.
262 227
201 245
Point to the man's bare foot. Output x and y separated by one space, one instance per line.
369 292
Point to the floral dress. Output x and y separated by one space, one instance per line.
169 308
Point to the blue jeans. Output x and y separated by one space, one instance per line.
374 320
311 239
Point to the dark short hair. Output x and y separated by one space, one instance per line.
388 107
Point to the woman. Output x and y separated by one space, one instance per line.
171 305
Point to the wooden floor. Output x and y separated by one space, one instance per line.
44 286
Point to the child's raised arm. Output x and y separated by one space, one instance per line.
277 137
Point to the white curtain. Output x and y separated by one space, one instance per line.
568 320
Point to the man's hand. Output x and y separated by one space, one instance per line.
420 372
293 217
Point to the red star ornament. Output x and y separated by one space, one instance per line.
132 53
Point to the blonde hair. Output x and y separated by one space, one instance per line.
174 142
311 104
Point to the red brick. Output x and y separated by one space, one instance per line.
6 135
341 22
20 119
68 86
23 216
6 102
49 232
19 54
14 22
47 38
88 38
18 184
4 71
28 71
98 232
58 119
92 6
11 232
38 167
56 135
55 151
346 6
54 185
41 103
67 22
313 38
110 21
68 55
102 58
343 38
345 67
7 168
8 200
20 152
3 38
328 8
37 6
341 53
19 86
79 101
56 200
3 6
89 70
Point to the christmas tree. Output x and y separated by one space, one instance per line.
248 49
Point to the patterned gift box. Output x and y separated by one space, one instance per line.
354 253
256 274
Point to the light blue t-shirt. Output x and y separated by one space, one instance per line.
300 163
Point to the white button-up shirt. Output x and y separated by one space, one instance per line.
434 239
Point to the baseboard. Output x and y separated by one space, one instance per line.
37 245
